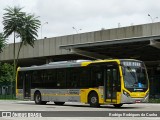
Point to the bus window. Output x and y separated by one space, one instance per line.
61 78
97 76
20 80
73 78
84 77
78 77
49 79
116 79
37 78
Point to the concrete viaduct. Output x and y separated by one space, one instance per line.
48 49
138 42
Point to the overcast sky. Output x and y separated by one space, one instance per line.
87 15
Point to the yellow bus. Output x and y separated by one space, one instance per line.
113 81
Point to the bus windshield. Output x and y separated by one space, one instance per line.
135 78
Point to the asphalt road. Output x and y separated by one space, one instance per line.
27 110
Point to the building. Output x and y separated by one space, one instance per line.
140 42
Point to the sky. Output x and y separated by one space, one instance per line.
65 17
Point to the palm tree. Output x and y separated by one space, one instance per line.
22 25
28 33
12 22
2 42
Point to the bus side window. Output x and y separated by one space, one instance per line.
116 79
49 78
97 76
37 78
20 80
84 77
74 83
61 78
74 77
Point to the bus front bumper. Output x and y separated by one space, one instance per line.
129 99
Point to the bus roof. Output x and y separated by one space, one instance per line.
66 64
51 65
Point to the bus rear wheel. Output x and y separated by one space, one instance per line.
117 105
38 99
59 103
93 100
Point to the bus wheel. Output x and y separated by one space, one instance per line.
59 103
38 99
93 100
117 105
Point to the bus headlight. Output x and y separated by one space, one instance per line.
126 93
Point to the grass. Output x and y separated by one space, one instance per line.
7 97
154 100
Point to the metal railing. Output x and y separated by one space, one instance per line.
5 90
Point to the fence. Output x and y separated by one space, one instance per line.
5 90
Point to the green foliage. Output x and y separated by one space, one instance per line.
2 41
12 20
7 97
6 73
24 25
154 100
28 33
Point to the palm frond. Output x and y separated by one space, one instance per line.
2 41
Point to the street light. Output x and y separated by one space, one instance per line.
76 29
41 28
151 39
152 19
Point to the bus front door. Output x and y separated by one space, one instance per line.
110 80
27 86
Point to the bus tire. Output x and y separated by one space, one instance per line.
59 103
38 99
117 105
93 99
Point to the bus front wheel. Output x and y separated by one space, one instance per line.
93 100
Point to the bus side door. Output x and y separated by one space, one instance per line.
111 83
27 85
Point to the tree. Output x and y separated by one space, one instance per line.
2 42
28 32
6 72
22 25
6 75
12 22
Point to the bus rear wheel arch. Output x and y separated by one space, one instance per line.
38 98
93 99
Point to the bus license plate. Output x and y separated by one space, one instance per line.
138 101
